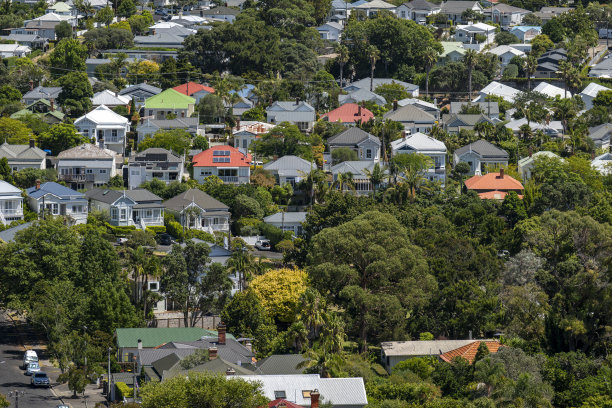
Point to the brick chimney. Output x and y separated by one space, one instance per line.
230 371
297 101
32 143
31 85
314 398
394 105
221 331
501 173
403 135
359 110
38 184
52 102
212 353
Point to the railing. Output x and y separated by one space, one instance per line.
229 179
12 212
150 221
76 177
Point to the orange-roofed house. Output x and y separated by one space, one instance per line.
195 90
349 114
226 162
283 403
494 186
469 351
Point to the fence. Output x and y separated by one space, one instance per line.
204 322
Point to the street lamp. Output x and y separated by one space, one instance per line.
16 394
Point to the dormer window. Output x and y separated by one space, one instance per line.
280 394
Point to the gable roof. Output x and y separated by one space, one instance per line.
232 350
452 46
163 37
351 137
410 113
506 8
495 88
349 113
365 84
51 187
236 157
43 92
298 216
220 11
604 68
493 182
376 4
457 7
21 152
103 115
419 103
601 132
7 188
156 336
107 97
282 403
421 347
489 107
419 142
504 49
169 99
110 196
464 119
217 365
177 123
593 89
61 7
289 165
196 196
469 351
8 235
356 168
529 159
524 29
330 24
484 149
191 87
290 106
421 5
362 95
140 87
551 91
147 357
281 364
87 151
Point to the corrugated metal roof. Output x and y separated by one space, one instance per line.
156 336
299 216
351 137
280 364
196 196
421 347
483 148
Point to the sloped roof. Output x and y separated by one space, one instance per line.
21 152
110 196
103 115
177 123
484 149
232 350
237 158
43 92
280 364
457 7
450 46
603 163
299 216
469 351
163 37
529 159
601 132
349 113
365 84
8 235
356 168
87 151
506 8
551 91
153 337
410 113
54 188
466 119
492 182
421 347
155 154
169 99
220 11
419 103
7 188
109 98
499 89
376 4
61 7
503 49
421 5
147 357
282 403
142 86
419 142
489 108
351 137
601 69
290 106
289 165
362 95
593 89
196 196
192 87
217 365
526 28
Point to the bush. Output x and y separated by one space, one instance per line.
174 228
511 71
203 235
246 224
274 234
123 390
121 231
156 229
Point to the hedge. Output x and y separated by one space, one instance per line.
175 229
156 229
125 230
203 235
123 391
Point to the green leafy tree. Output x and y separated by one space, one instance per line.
540 44
430 57
554 30
412 167
177 141
282 140
105 15
14 131
343 154
63 30
60 137
9 94
373 56
391 92
76 93
469 59
126 9
505 38
68 55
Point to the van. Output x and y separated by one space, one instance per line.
30 356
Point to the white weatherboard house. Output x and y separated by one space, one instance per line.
139 208
467 33
58 200
417 10
289 169
481 154
298 113
505 53
603 163
110 99
287 221
590 92
197 210
21 157
428 146
86 166
11 203
525 165
106 127
495 88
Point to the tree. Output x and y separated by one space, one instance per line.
14 131
412 166
68 55
531 64
211 109
377 175
279 291
4 402
282 140
469 59
126 9
430 57
200 142
176 140
76 93
105 15
60 137
63 30
342 59
342 154
570 75
9 95
511 71
245 206
373 56
540 44
107 38
472 15
76 379
554 30
505 38
344 182
392 91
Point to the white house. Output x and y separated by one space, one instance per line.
148 127
197 210
154 163
428 146
11 203
299 113
362 95
601 135
289 169
497 89
525 165
421 104
454 9
505 15
86 166
110 99
467 33
590 92
58 200
413 118
287 221
21 157
367 146
553 128
139 208
551 91
108 128
505 53
526 33
374 7
226 162
417 10
479 155
330 31
247 131
603 163
14 50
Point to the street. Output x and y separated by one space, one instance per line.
12 377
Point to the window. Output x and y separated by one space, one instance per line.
89 171
114 133
86 132
100 134
102 171
306 393
368 153
280 394
77 209
149 214
221 153
114 213
244 143
123 214
153 286
134 172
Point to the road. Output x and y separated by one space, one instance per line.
12 377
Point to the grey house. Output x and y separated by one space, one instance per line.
364 83
364 144
479 155
154 163
287 221
453 123
289 169
140 92
299 113
490 109
362 95
454 9
23 156
148 127
161 40
413 118
140 207
41 92
601 135
197 210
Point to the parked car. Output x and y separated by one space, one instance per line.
263 245
165 239
40 379
121 241
32 368
30 356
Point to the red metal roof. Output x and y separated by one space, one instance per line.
493 182
278 403
208 158
469 352
349 113
191 87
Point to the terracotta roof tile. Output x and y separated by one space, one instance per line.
279 403
492 182
348 113
469 351
191 87
208 158
495 195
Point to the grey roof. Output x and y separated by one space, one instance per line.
484 149
421 5
54 188
140 87
490 108
421 347
466 119
548 66
220 11
601 132
603 68
155 155
43 92
21 152
231 351
107 196
457 7
165 38
196 196
289 166
87 151
217 365
351 137
40 24
280 364
299 216
291 106
127 378
361 95
506 8
8 235
410 113
365 84
148 356
178 123
357 168
24 38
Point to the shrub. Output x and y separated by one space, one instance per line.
156 229
203 235
122 230
274 234
246 224
175 229
123 390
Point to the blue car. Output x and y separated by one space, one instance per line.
40 379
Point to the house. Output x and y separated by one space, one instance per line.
172 28
162 371
146 358
87 166
601 135
505 15
52 18
159 40
603 164
479 155
602 70
169 103
40 92
221 13
238 108
247 131
453 123
546 70
11 203
289 169
358 170
330 31
361 95
287 221
367 146
42 29
453 52
280 364
417 10
195 90
548 13
154 163
526 33
505 53
109 99
394 352
454 9
34 41
301 388
148 127
58 200
130 341
62 9
106 127
24 156
494 186
421 104
44 110
413 118
428 146
197 210
495 88
139 208
552 128
348 114
525 165
489 108
372 8
548 63
590 92
552 91
8 235
140 92
340 9
467 33
298 113
412 89
226 162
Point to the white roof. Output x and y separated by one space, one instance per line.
503 49
165 24
376 4
603 163
529 159
422 347
193 19
53 17
476 27
107 97
418 102
551 91
593 89
6 188
336 391
103 115
495 88
419 142
553 126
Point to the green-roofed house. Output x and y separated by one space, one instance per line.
169 102
453 51
152 337
42 108
62 9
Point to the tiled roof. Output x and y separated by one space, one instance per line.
191 87
495 195
153 337
196 196
493 182
349 113
236 157
282 403
169 99
421 347
469 351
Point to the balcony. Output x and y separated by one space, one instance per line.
76 177
229 179
13 212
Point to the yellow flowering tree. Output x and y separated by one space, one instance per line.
279 291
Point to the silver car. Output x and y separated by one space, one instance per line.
32 368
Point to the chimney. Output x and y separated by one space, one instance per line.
403 134
394 105
314 398
221 331
249 346
212 353
32 143
548 119
230 371
501 173
297 101
38 184
141 121
530 152
237 124
139 344
359 110
145 81
31 85
52 102
470 335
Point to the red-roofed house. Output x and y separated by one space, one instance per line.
494 185
469 351
282 403
195 90
226 162
348 114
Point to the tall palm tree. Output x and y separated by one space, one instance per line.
430 57
412 166
344 180
377 175
469 59
342 59
312 312
570 75
531 64
314 184
373 56
241 263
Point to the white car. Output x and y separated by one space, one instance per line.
263 245
30 356
32 368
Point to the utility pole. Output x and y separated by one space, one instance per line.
16 394
108 383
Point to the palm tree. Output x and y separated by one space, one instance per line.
241 263
412 166
314 184
321 362
373 56
342 59
469 59
312 312
570 75
344 180
430 57
377 175
531 64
